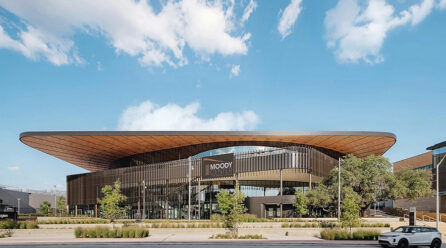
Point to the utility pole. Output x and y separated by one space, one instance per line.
144 199
339 189
190 188
438 192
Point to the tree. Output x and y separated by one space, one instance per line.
110 203
350 209
61 204
45 207
232 207
372 179
300 202
414 184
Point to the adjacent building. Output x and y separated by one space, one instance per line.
28 201
156 168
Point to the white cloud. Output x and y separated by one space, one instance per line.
150 116
235 71
442 4
357 32
14 168
131 27
289 17
248 11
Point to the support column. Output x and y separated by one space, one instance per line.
75 210
281 193
310 179
166 205
95 210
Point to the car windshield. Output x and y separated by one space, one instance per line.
404 229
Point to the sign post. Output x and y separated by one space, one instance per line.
412 216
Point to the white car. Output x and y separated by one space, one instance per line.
405 236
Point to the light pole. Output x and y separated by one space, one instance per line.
18 205
339 189
438 192
143 199
55 200
190 172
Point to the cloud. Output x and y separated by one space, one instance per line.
132 27
150 116
14 168
289 17
248 11
235 71
442 4
357 32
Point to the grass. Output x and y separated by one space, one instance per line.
325 224
104 232
343 234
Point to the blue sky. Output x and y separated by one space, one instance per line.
244 65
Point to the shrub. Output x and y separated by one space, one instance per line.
254 236
78 232
8 224
229 236
113 233
125 233
31 225
91 233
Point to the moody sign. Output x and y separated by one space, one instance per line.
218 166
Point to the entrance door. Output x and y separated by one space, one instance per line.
272 210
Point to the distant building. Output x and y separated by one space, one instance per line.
30 200
419 162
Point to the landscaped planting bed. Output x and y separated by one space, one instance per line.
229 236
11 224
323 224
103 232
343 234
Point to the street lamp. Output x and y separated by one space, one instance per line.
18 205
339 189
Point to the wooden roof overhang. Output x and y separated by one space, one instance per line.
96 150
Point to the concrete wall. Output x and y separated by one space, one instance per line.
422 204
10 197
256 205
29 202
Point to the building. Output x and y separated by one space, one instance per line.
156 168
28 201
419 162
439 161
426 162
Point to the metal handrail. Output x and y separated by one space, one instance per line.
428 218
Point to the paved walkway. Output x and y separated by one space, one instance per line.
58 238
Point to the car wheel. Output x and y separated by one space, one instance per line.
436 243
384 246
403 244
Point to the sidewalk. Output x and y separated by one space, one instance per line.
69 238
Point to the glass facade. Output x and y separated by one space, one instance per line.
163 187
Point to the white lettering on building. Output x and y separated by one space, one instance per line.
220 166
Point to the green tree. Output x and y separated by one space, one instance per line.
61 204
372 179
300 202
110 203
45 208
350 209
413 184
232 207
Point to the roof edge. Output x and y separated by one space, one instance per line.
206 133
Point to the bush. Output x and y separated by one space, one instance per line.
78 232
8 224
31 225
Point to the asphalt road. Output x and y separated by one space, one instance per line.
220 244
